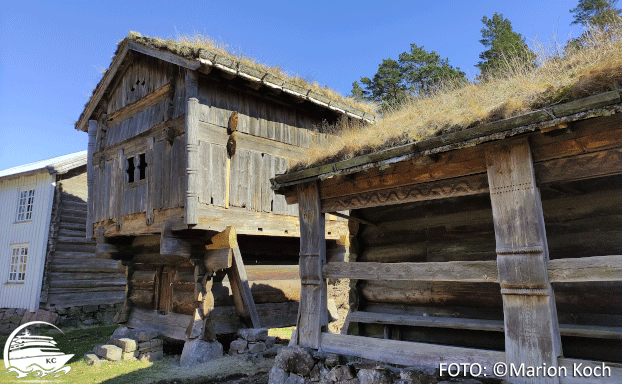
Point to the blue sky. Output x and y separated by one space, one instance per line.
52 53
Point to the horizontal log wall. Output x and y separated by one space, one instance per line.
75 275
582 219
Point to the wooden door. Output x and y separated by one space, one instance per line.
165 289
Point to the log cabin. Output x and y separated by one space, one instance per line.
48 267
501 242
183 140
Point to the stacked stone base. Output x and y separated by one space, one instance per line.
128 344
254 343
11 318
296 365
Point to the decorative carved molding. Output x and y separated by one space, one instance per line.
462 186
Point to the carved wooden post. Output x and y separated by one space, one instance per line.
151 182
120 182
192 149
312 315
530 317
90 177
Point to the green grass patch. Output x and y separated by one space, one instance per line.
80 341
282 333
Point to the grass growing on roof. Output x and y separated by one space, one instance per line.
561 76
190 45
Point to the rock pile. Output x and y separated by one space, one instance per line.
296 365
254 343
128 344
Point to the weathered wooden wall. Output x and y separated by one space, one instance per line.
269 136
582 219
74 276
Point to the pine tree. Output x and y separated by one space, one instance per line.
598 13
415 73
506 48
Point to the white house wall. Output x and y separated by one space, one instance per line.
35 233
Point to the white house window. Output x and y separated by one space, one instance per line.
25 205
19 258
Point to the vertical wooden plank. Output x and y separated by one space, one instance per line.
191 204
218 169
266 192
90 176
312 312
204 173
120 182
530 316
255 181
280 204
151 182
157 174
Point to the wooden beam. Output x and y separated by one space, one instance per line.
217 259
575 270
139 105
164 55
352 218
191 214
241 290
579 167
101 87
585 269
407 353
225 239
465 271
313 313
614 333
530 317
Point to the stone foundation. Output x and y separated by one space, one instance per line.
127 344
296 365
11 318
254 343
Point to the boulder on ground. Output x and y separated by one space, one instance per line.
199 351
109 352
295 359
253 334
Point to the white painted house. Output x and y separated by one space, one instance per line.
26 200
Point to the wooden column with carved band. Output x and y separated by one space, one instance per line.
530 317
192 149
312 313
90 178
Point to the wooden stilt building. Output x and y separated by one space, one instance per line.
183 141
497 243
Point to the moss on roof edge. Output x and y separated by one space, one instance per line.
580 109
231 63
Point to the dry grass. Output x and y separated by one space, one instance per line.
559 77
190 45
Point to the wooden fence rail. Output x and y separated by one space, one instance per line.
584 269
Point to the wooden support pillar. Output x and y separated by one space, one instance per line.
192 149
152 185
90 178
120 181
313 312
530 317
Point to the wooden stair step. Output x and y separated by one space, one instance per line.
74 255
73 219
73 205
72 226
71 233
74 240
73 212
476 324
